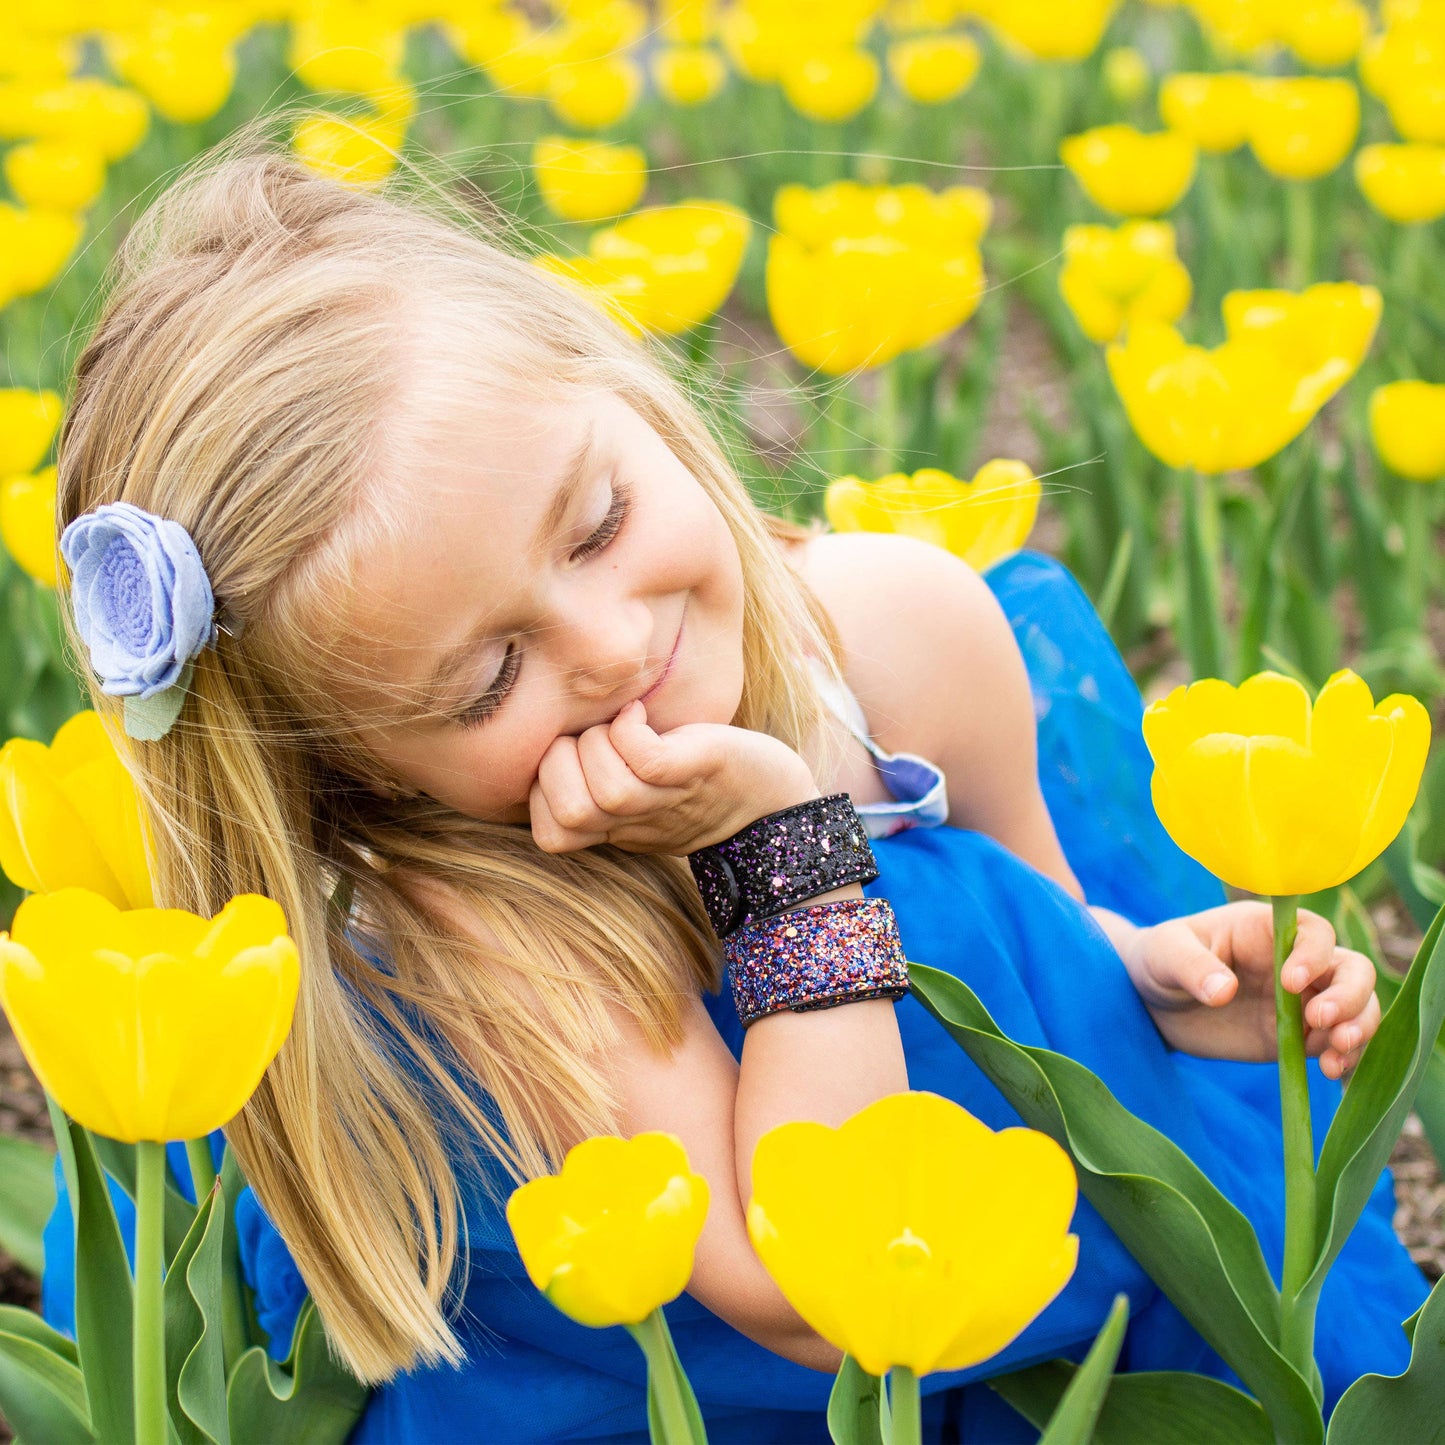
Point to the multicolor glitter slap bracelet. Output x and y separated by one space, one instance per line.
782 860
817 957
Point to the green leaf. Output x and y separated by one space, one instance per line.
1422 888
1190 1238
310 1400
1370 1117
855 1407
1163 1408
27 1195
1073 1421
195 1360
42 1392
103 1299
1409 1407
118 1160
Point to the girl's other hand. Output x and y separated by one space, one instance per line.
1208 981
647 792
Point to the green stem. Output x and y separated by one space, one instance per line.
907 1419
149 1363
1200 614
1300 221
203 1171
1297 1322
666 1382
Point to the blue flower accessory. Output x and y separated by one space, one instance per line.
143 606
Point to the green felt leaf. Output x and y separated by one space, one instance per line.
1191 1239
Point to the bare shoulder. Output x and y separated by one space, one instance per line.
915 621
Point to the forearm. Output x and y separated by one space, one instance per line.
822 1065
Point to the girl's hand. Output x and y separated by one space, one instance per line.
1208 981
624 784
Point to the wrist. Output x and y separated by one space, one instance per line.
1129 939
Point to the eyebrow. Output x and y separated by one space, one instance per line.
574 474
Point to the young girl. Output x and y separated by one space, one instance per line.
499 638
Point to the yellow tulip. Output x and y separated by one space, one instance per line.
27 524
1053 29
1243 27
830 85
1277 797
914 1235
1213 110
359 150
611 1238
34 245
688 74
1323 331
932 69
1407 425
940 220
1113 277
70 816
688 256
594 94
1126 74
859 301
981 521
186 82
688 22
59 175
39 57
1128 172
584 180
85 109
1404 183
1405 67
1303 127
345 48
153 1024
619 292
28 420
1214 411
1326 33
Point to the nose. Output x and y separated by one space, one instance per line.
603 649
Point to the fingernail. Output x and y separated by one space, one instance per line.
1297 979
1212 986
1328 1013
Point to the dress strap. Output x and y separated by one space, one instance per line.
919 788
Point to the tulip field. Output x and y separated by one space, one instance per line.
1152 286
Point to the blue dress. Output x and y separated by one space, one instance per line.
1049 977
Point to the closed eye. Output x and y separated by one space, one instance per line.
486 706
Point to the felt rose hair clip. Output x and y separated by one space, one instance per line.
144 608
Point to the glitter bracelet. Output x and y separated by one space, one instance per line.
817 957
782 860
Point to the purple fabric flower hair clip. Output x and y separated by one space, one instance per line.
143 606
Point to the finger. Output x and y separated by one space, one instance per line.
1312 954
1339 1049
1183 964
1351 985
550 835
560 779
663 762
612 785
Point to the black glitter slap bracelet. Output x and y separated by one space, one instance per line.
782 860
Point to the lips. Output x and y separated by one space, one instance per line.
667 669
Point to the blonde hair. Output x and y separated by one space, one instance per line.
241 380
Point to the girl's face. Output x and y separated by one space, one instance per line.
544 567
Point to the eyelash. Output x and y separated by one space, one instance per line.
604 536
